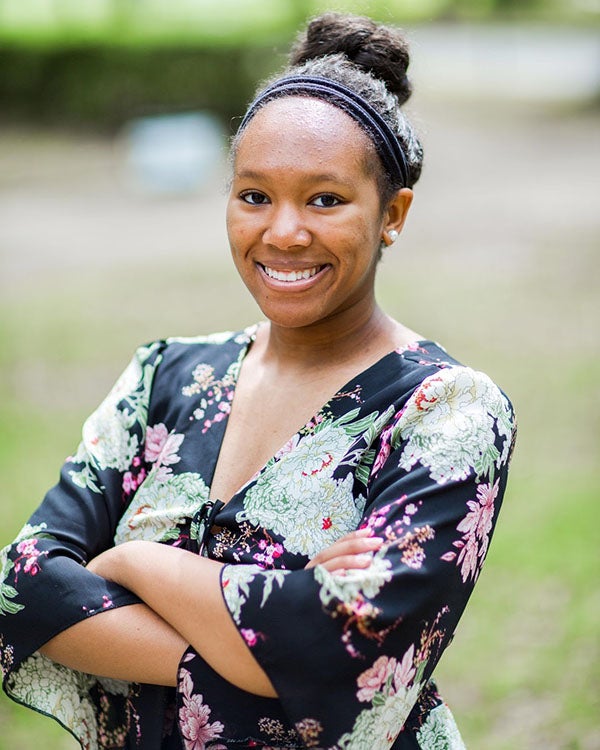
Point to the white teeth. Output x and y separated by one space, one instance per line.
291 275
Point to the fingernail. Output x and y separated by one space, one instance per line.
365 559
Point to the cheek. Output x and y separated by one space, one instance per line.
361 235
241 229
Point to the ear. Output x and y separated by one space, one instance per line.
395 214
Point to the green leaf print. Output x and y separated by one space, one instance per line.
7 592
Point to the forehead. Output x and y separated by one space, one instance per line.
302 129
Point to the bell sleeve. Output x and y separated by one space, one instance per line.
44 585
348 654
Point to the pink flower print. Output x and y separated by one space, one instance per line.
28 558
27 547
468 558
186 684
270 552
373 679
194 724
194 716
288 447
132 481
156 437
162 446
405 671
224 411
475 527
487 496
129 483
249 636
384 450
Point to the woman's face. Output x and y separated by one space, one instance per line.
304 217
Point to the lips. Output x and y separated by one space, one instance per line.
291 276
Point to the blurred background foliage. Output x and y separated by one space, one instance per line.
499 261
96 63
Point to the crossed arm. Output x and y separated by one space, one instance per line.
183 604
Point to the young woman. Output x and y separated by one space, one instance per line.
266 539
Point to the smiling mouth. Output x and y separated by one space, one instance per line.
306 273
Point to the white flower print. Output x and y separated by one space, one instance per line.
439 732
7 657
108 442
448 424
221 337
315 452
388 686
160 504
113 686
305 504
310 512
235 584
107 438
394 713
106 433
60 692
377 728
364 583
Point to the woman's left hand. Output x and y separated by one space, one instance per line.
350 552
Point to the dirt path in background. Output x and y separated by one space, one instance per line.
521 177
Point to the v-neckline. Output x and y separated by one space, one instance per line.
242 353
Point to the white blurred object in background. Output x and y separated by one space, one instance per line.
173 154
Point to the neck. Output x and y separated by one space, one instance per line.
331 343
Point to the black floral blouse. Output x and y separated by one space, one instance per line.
416 447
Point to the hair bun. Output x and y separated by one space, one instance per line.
380 50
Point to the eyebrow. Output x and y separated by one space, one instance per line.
251 174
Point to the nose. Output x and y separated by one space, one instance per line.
286 228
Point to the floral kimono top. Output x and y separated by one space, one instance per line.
416 447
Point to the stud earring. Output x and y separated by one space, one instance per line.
393 235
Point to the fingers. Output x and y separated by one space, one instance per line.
351 551
347 562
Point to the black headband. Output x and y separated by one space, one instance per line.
353 104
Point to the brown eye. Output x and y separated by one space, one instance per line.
326 200
254 198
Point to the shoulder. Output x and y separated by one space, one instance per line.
442 382
456 392
181 354
457 421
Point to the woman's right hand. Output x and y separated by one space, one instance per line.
350 552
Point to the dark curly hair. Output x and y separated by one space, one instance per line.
372 60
